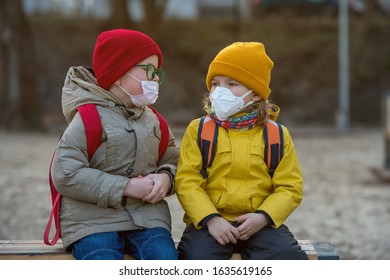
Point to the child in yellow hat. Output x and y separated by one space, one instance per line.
236 205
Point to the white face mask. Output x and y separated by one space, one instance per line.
149 93
226 104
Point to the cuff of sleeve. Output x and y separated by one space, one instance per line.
269 219
204 221
168 171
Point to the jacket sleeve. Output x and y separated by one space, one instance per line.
168 162
73 177
189 183
287 184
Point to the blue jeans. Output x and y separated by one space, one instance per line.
146 244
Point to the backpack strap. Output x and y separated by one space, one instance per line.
93 131
207 140
164 133
55 212
93 127
273 141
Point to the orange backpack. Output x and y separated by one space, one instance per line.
207 139
93 130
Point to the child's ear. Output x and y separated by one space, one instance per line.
256 97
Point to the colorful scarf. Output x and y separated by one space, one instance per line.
247 121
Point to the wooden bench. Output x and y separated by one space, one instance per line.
37 250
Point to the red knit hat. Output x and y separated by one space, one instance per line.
117 51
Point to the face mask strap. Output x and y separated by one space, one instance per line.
250 101
143 83
133 77
246 94
124 90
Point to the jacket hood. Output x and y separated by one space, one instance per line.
274 111
81 88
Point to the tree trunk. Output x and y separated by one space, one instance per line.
119 15
372 8
20 101
154 13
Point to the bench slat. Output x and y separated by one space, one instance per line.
35 249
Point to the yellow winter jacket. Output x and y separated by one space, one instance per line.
238 181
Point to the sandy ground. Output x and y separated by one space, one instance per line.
344 202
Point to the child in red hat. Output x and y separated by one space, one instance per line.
114 203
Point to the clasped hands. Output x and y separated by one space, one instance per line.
224 232
151 188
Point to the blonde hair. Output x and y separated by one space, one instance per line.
263 107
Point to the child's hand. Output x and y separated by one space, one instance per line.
138 187
161 185
222 231
250 223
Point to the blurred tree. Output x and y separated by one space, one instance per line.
372 8
19 96
119 17
154 13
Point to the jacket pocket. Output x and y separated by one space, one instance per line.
217 199
257 150
256 201
157 132
151 215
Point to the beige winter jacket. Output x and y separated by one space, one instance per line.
92 191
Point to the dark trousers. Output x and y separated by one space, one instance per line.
266 244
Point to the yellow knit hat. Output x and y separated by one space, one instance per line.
245 62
